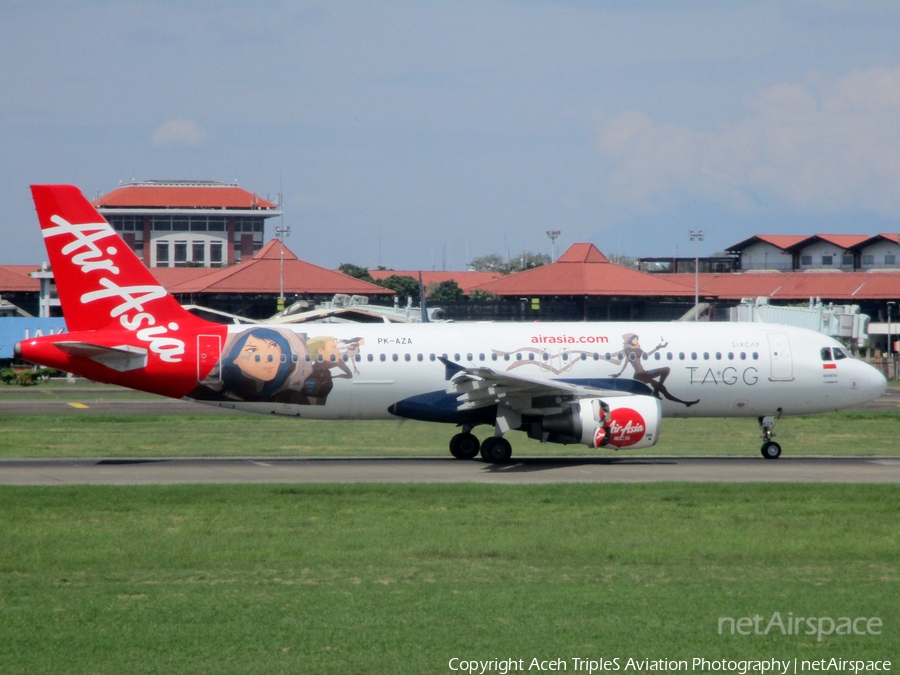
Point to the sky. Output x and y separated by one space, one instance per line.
420 135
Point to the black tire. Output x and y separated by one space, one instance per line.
464 446
770 450
496 450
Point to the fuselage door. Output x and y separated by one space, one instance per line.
782 366
209 347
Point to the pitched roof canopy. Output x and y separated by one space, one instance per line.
262 273
181 195
584 270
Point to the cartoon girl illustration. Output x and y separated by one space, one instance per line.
260 365
632 353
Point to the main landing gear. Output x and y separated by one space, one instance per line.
770 449
494 449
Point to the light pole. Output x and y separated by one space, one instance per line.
890 346
281 233
553 234
697 237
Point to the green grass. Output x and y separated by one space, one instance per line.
399 579
89 435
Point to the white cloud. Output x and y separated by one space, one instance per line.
180 132
831 151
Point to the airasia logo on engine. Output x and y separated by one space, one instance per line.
626 427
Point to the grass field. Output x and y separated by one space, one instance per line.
73 435
399 579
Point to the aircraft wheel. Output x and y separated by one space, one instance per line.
496 449
770 450
464 446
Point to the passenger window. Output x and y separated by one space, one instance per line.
681 356
506 357
531 357
382 357
743 356
333 359
395 357
632 356
718 356
432 357
839 354
731 356
407 357
826 353
657 356
468 357
565 357
308 359
545 356
321 358
481 357
669 356
519 356
645 356
358 358
456 357
755 356
369 357
420 357
493 357
706 356
693 356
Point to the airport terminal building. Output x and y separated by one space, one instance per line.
180 223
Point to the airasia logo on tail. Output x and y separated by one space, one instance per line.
133 315
626 427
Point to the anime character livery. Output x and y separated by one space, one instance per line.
277 365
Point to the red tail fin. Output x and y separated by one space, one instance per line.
101 282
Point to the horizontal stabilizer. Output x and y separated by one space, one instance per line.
120 358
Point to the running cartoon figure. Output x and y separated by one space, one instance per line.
633 353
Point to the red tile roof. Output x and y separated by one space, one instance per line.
843 241
850 287
15 278
261 274
889 236
464 279
782 241
584 270
201 196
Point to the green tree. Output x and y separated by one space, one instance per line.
446 291
523 261
479 295
356 272
402 285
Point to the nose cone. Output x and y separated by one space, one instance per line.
872 384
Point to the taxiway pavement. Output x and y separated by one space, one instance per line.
449 470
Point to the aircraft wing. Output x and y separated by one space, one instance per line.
121 358
482 387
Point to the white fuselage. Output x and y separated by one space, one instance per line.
704 369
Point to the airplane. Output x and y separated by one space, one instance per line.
604 385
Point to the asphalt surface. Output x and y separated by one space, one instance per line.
440 470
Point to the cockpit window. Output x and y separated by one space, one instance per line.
839 354
826 353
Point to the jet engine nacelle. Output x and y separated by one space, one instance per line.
623 422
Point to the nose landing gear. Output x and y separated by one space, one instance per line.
770 449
